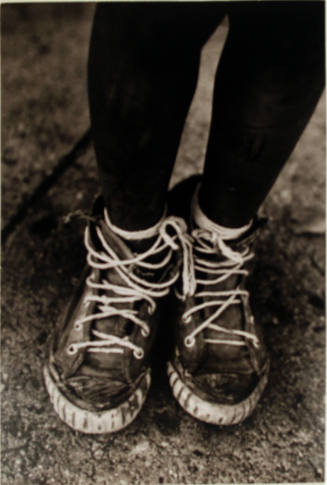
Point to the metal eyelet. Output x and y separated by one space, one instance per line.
138 353
86 301
71 349
189 341
78 325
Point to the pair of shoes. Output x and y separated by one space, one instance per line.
99 370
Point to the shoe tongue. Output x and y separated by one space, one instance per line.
115 242
220 355
118 325
226 355
232 317
141 246
114 325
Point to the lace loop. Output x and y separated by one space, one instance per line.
170 235
206 246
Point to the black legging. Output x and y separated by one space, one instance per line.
143 68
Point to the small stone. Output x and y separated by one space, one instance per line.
98 454
140 449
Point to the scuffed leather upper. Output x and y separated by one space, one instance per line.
101 380
221 372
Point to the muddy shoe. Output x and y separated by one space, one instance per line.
98 373
220 365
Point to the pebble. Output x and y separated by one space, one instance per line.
140 449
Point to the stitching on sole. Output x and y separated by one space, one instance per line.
101 422
214 413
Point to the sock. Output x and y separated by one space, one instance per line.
138 241
202 221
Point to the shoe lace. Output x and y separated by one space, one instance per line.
206 245
134 288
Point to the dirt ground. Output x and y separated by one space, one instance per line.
48 180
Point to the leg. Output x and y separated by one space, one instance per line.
142 72
269 80
143 69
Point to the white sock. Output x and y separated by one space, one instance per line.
134 235
202 221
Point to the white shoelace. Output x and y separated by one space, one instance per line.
135 288
207 243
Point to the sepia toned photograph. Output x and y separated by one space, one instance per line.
163 242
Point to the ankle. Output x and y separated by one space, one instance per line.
138 240
202 221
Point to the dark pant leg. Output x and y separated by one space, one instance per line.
143 68
269 80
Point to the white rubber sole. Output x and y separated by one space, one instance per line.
209 412
108 421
